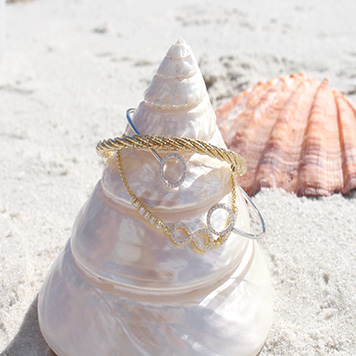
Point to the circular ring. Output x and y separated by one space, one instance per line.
231 222
161 175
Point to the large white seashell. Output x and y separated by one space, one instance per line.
121 287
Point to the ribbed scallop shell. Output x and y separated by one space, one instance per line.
294 133
121 287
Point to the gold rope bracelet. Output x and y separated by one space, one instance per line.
107 147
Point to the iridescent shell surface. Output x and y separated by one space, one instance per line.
121 287
294 133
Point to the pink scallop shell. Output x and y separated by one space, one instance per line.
294 133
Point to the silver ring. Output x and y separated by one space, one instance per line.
231 219
163 178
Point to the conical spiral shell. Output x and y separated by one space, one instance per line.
121 287
294 133
176 102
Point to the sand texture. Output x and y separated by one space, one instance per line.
70 71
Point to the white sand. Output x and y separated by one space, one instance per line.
70 71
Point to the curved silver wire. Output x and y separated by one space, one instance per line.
128 117
247 198
263 224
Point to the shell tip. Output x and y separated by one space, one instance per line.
180 41
179 50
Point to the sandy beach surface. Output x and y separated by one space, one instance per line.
70 71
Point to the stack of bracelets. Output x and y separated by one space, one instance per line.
108 147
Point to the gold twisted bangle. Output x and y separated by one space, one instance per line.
106 148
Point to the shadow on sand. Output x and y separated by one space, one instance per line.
29 340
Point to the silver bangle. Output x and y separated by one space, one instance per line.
263 224
216 206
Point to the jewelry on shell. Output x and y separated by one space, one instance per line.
203 238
